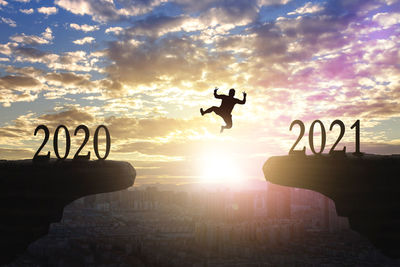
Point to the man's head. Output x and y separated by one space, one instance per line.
232 92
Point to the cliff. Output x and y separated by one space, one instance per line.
365 189
34 194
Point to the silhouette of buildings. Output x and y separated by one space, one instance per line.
279 201
153 226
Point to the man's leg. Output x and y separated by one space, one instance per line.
209 110
228 122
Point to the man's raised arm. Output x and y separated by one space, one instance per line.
244 99
217 95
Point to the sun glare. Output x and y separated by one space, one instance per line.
219 168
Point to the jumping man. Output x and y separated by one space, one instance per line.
225 110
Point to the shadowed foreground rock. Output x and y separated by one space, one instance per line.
365 189
34 194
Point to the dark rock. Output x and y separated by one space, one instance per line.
34 194
366 189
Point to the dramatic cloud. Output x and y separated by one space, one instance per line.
173 61
147 75
223 11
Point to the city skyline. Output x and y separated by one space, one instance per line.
160 225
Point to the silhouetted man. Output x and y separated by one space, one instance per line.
225 110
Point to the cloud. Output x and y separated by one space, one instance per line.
76 61
114 30
15 88
291 56
85 40
177 148
309 7
69 61
70 117
6 49
24 39
272 2
138 7
170 62
349 10
15 154
105 10
25 71
48 34
84 27
48 10
148 128
159 25
8 21
222 11
27 11
33 55
213 13
19 133
389 2
12 81
29 81
3 3
102 10
69 83
219 20
123 130
382 148
68 78
387 20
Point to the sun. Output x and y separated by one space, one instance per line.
220 167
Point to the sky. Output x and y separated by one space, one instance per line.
144 68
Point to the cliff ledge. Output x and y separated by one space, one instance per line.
34 194
365 189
